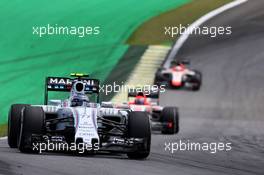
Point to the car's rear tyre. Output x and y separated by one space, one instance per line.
158 79
13 124
162 79
198 81
139 127
170 120
32 122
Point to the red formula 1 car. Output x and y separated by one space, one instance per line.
179 76
164 119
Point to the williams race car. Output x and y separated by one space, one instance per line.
179 76
164 119
78 121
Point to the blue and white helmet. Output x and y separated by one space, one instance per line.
78 96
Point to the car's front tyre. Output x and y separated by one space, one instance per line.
13 124
139 127
32 122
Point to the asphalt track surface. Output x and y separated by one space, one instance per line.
229 108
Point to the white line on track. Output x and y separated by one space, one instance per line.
3 138
196 24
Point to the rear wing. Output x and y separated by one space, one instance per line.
64 84
152 94
148 94
185 62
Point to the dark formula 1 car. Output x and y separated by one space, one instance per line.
164 119
179 76
77 121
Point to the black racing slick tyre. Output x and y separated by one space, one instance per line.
139 127
162 79
13 124
170 120
198 81
32 122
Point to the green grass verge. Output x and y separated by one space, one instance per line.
152 31
26 59
3 130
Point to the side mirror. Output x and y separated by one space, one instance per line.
55 102
107 104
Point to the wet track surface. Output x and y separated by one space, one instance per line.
229 108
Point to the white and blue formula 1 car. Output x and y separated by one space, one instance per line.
79 120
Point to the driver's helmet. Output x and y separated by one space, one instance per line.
79 100
140 101
179 67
